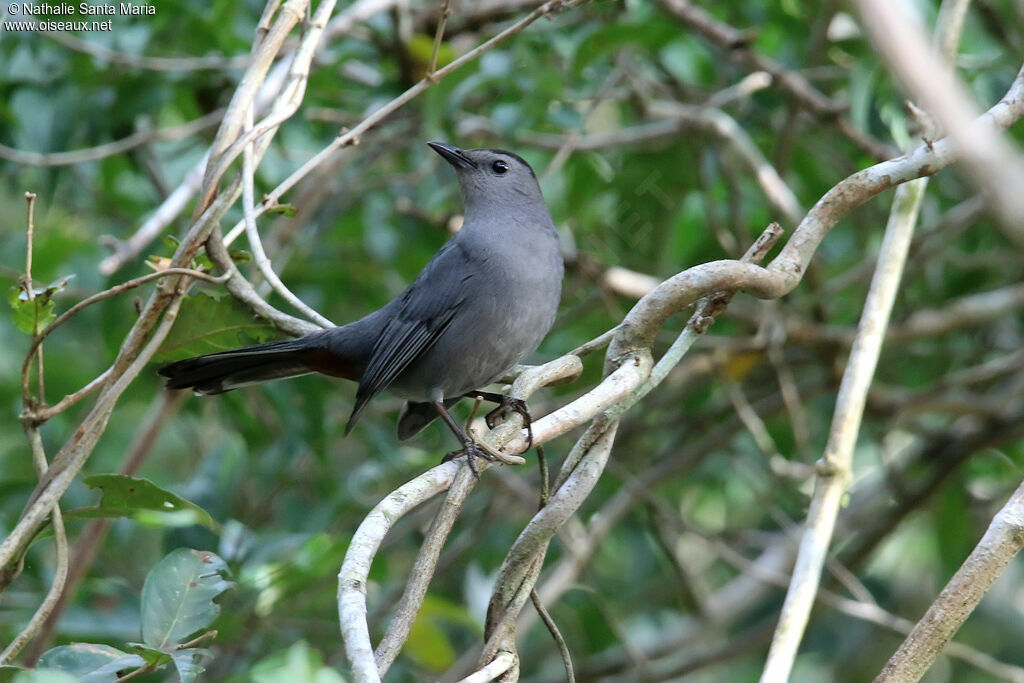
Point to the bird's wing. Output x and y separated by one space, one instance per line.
424 312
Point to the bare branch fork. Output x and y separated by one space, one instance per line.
628 370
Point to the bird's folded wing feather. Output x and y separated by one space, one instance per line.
424 312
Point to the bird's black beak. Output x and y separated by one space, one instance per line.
453 155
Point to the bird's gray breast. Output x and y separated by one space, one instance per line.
511 298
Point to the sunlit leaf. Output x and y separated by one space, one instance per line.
209 322
125 496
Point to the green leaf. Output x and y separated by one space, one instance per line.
151 656
177 598
43 676
297 663
286 210
188 662
210 322
421 48
428 645
89 662
240 256
125 496
32 315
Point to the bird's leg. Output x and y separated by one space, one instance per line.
506 404
469 448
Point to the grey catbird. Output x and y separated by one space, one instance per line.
481 304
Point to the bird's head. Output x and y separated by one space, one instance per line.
492 179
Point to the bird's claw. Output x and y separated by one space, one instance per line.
477 449
508 405
472 451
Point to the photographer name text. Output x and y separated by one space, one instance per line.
86 9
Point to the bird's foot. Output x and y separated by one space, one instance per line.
473 449
507 405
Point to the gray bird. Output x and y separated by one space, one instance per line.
481 304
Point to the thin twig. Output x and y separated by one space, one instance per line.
42 414
737 43
595 344
243 290
438 36
30 198
352 137
545 479
269 91
142 342
125 251
146 668
60 574
79 156
95 298
253 235
552 627
30 292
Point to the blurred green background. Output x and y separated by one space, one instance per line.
936 457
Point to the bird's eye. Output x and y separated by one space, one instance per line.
499 167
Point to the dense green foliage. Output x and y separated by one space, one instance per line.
285 491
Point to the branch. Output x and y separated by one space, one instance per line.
835 467
737 44
356 567
352 137
243 290
60 574
498 666
1000 544
253 235
211 63
628 363
368 537
46 414
139 346
109 149
783 274
264 52
422 571
991 160
268 92
172 206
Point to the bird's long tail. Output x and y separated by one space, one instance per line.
219 372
